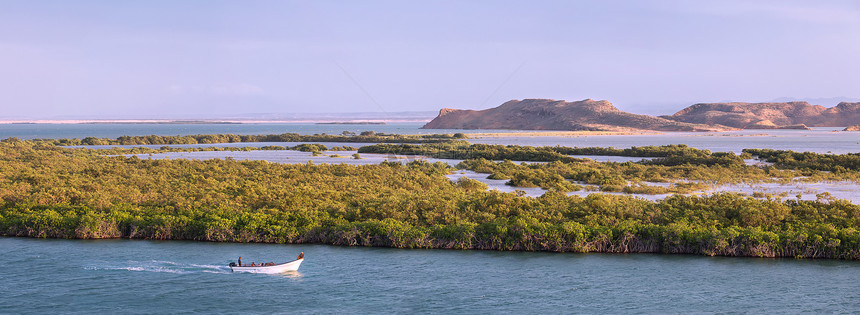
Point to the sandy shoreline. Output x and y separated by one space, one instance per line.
205 121
559 133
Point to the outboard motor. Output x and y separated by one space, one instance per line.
232 264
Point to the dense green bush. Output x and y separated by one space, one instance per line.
49 191
667 155
838 163
367 136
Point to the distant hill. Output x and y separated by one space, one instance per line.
546 114
827 101
770 115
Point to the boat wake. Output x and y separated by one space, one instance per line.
163 266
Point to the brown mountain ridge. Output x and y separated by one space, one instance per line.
547 114
770 115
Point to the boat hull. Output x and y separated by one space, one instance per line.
287 266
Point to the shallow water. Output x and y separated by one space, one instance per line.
612 158
820 140
225 145
496 184
135 277
808 191
295 157
80 131
499 184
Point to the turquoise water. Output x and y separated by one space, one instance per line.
132 276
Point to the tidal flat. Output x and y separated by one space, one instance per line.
848 190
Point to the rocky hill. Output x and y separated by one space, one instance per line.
545 114
770 115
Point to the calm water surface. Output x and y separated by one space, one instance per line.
821 140
80 131
112 276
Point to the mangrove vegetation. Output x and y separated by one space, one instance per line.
366 137
52 191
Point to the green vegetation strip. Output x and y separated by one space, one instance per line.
304 147
686 169
666 155
836 163
366 136
48 191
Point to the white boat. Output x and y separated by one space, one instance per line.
278 268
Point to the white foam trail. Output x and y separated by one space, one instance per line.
209 266
148 269
165 266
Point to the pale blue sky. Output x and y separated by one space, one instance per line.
163 59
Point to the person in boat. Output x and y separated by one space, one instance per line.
301 256
240 261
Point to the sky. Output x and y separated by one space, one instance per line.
166 59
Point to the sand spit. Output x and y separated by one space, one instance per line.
207 121
559 134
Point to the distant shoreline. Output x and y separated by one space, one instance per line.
204 121
559 133
352 123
